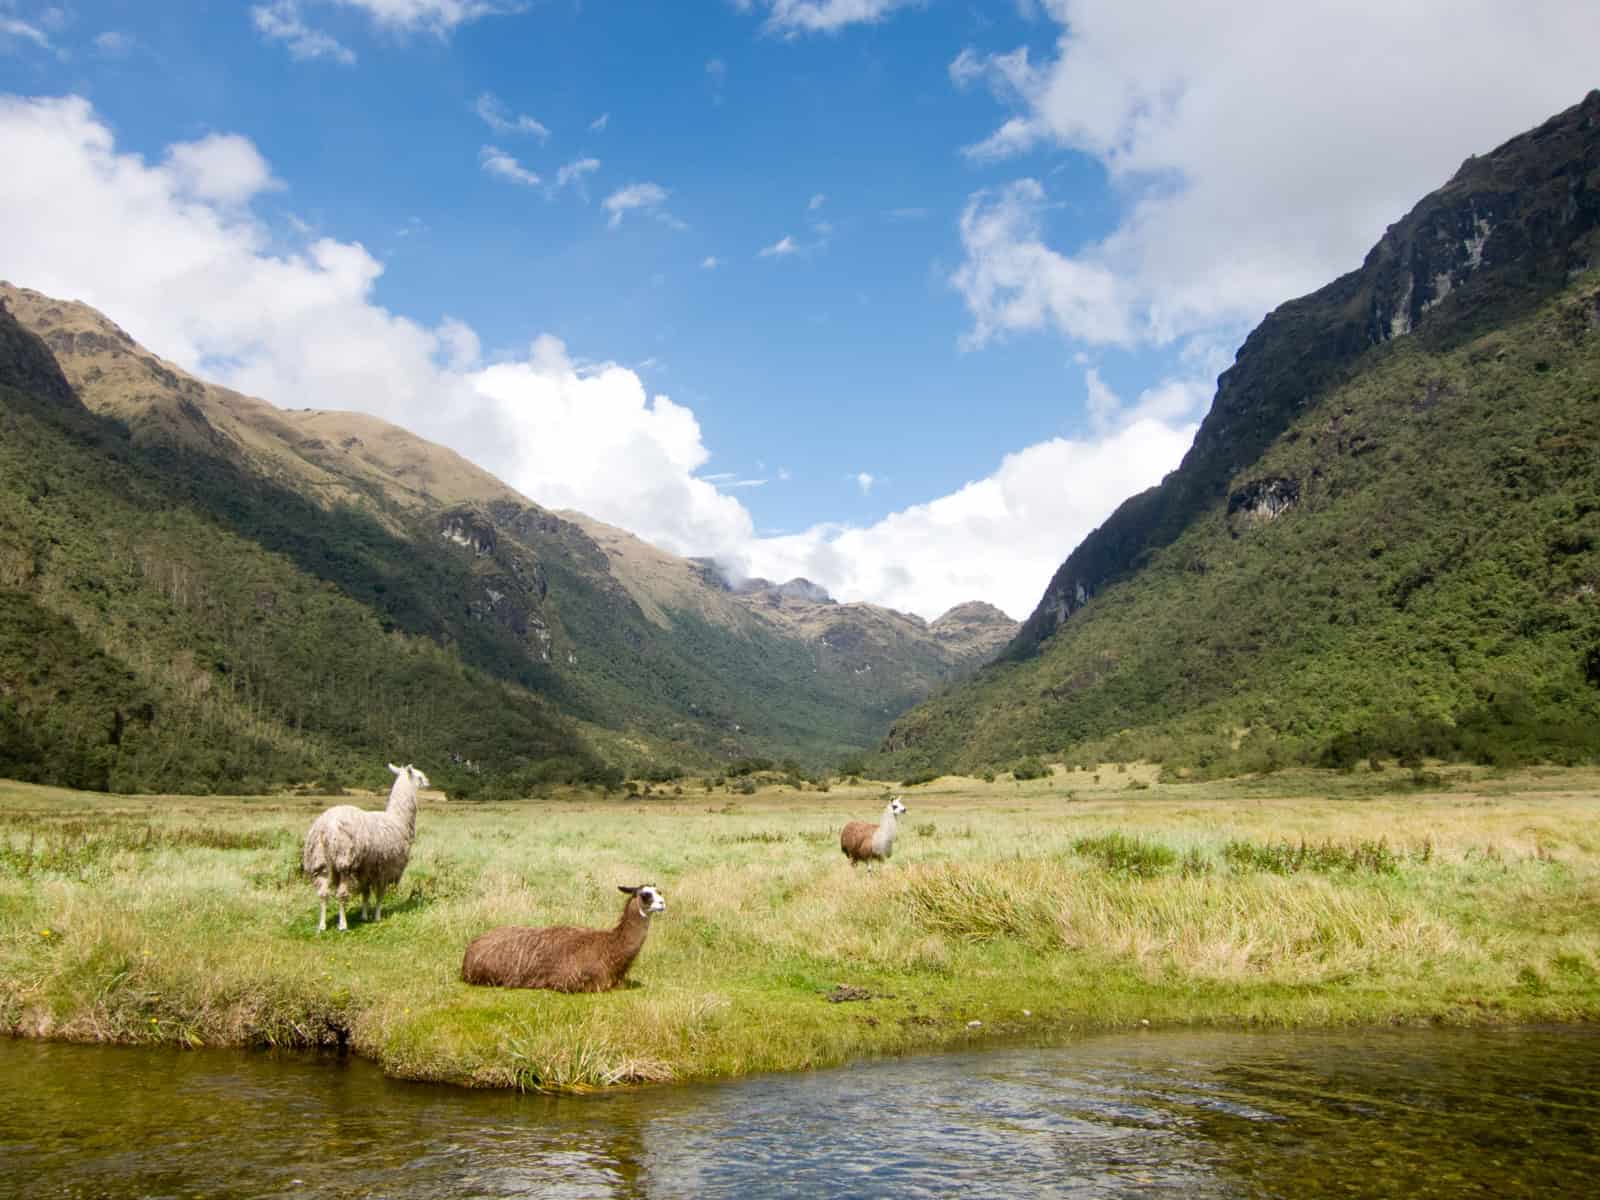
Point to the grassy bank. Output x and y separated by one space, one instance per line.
1083 900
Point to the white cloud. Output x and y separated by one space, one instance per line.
113 44
13 29
997 539
1013 281
1259 150
781 248
204 283
816 202
598 125
710 262
438 17
502 120
823 16
223 167
864 481
498 163
280 21
638 197
201 283
574 172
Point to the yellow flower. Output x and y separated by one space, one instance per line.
44 933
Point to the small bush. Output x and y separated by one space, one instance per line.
1029 768
919 777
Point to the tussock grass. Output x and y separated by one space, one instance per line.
1306 898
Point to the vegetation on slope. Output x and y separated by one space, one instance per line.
1430 590
1385 539
160 630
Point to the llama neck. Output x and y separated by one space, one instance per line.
631 928
402 804
884 838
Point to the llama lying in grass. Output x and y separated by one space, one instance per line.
865 842
564 958
348 847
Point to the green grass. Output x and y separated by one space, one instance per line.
1036 909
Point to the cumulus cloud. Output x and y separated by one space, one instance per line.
821 16
492 110
999 538
710 262
781 248
223 167
1258 150
498 163
171 250
864 481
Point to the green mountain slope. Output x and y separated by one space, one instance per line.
242 566
1385 536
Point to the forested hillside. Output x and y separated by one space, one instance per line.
200 591
1386 538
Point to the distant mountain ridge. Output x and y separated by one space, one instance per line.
651 661
1384 536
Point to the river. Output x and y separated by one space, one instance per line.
1413 1113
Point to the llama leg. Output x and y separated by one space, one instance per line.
379 917
344 895
322 895
365 892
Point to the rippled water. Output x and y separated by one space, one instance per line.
1388 1113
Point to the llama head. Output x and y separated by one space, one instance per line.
650 897
896 807
417 778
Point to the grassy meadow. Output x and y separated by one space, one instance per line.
1083 900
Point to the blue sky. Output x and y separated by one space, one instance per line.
901 296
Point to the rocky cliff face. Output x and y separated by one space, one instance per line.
1507 231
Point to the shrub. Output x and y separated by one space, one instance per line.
1029 768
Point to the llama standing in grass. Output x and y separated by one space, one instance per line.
564 958
865 842
350 847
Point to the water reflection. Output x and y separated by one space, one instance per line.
1390 1113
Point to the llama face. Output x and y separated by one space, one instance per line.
896 807
651 900
417 777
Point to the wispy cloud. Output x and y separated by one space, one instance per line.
598 125
280 22
792 17
572 174
710 262
864 481
639 197
502 120
781 248
13 29
498 163
113 44
817 202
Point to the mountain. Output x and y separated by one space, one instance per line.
1384 538
249 573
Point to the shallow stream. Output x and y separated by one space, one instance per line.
1410 1113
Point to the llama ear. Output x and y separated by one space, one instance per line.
632 891
397 770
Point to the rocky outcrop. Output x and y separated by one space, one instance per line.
1507 231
